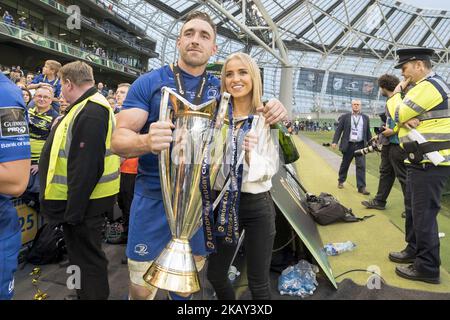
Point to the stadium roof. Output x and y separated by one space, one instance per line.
348 36
355 27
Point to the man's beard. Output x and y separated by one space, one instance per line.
193 62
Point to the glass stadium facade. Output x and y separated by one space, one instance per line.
336 48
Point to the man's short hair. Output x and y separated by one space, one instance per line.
54 65
388 82
78 72
49 88
125 84
201 16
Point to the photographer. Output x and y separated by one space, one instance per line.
392 155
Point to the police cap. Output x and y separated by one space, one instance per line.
411 54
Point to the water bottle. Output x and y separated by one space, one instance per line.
298 280
333 249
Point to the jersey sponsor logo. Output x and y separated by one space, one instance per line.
141 249
13 122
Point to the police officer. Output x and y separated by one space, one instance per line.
424 107
14 174
79 176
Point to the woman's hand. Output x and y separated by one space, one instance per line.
274 111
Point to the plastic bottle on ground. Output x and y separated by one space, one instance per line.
335 248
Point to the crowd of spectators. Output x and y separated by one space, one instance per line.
41 91
310 125
28 79
93 47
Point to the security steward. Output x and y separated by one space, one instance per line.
425 107
79 177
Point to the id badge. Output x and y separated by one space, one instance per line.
354 135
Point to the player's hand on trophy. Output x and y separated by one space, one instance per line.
273 111
160 136
250 143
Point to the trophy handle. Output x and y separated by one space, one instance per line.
164 164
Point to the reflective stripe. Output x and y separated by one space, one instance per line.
59 179
414 106
107 178
429 137
62 153
437 114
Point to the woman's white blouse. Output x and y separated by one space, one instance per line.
264 161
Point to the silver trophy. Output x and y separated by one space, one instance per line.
198 133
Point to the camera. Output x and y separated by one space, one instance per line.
380 129
372 146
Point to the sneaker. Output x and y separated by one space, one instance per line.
373 204
340 185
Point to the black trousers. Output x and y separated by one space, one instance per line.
424 186
360 163
84 247
125 196
257 217
392 166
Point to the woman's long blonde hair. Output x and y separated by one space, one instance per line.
254 74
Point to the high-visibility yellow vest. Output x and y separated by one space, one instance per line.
427 101
56 187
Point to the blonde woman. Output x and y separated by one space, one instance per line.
254 208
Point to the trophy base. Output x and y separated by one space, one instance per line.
174 269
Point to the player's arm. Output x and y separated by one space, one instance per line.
14 177
127 142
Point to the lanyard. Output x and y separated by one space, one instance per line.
181 88
355 123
